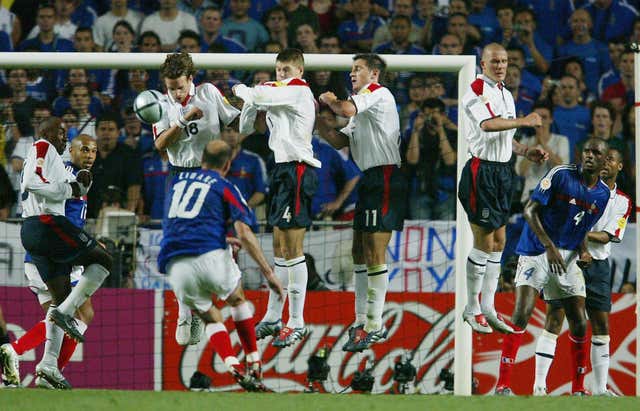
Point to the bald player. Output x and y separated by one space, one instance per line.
195 254
83 152
487 181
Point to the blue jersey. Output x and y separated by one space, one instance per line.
155 171
570 209
75 209
201 204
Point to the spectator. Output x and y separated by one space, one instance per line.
76 76
553 16
330 44
11 26
484 18
356 34
168 22
400 27
155 168
325 10
21 104
529 83
210 24
63 26
196 7
5 42
133 134
573 66
297 15
7 195
505 13
538 53
417 94
41 112
260 77
612 76
257 10
46 39
325 80
611 18
571 118
401 8
277 25
103 29
307 39
124 37
602 117
524 103
149 42
273 47
594 54
432 25
337 179
116 165
622 92
101 81
248 171
629 136
556 145
82 15
243 28
79 99
431 153
469 35
222 79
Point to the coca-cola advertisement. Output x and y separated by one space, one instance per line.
420 329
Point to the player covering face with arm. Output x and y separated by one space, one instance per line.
290 116
373 136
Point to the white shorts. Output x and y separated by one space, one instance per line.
534 272
39 288
195 278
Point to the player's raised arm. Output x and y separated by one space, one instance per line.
556 262
268 95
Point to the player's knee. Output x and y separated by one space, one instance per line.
578 326
519 320
599 327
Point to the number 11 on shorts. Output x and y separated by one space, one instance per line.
370 216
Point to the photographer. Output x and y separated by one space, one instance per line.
432 154
538 53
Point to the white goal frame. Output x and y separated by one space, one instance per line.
465 66
636 81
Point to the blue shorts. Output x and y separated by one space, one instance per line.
54 244
598 281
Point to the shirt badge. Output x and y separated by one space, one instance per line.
545 183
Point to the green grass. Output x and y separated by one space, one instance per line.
89 400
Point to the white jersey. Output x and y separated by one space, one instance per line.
187 150
45 181
169 31
613 221
103 27
374 132
485 99
291 115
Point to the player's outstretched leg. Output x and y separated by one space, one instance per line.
271 323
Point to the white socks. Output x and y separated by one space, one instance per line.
545 351
89 283
362 286
184 312
476 267
54 335
490 282
600 362
297 291
378 277
274 307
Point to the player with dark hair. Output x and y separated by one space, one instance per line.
83 152
55 243
290 114
565 205
609 229
373 136
193 116
195 255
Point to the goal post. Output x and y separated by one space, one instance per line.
465 66
636 79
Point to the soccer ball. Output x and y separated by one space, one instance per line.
148 106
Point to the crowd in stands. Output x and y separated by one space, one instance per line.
570 61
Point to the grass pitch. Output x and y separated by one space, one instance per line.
89 400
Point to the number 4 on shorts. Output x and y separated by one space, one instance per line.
287 215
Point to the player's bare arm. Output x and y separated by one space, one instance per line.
556 262
501 124
534 154
584 256
251 244
330 134
344 108
173 133
601 237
